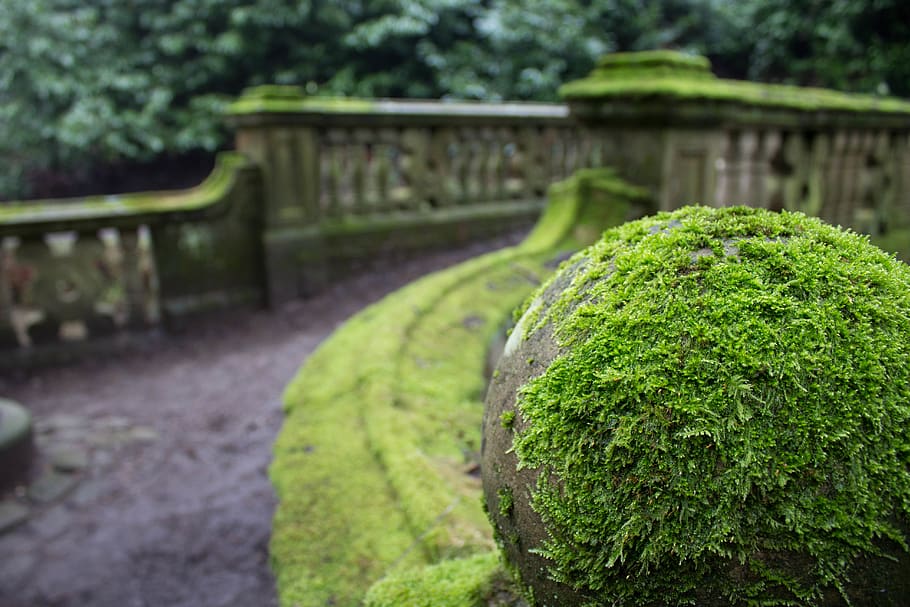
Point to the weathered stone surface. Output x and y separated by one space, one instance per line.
143 434
12 513
52 486
69 458
16 443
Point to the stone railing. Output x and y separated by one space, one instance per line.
319 185
691 137
347 179
94 267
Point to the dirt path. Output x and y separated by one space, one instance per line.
170 443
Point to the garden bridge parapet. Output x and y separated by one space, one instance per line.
318 186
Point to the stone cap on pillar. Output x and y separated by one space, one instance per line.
674 88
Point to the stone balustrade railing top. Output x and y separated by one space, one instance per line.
318 185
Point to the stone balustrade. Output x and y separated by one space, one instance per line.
76 271
319 185
346 179
691 137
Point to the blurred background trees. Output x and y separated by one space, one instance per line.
89 91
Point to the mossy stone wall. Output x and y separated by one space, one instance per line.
694 138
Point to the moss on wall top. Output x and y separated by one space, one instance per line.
728 419
275 98
92 209
670 75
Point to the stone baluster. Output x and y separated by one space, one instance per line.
534 162
792 171
833 180
415 173
882 180
361 156
503 153
517 160
724 168
768 184
331 172
868 194
484 166
899 215
819 155
851 168
461 166
439 165
8 279
746 184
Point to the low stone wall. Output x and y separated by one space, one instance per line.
319 186
77 274
353 178
693 138
376 464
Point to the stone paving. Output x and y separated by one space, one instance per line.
150 487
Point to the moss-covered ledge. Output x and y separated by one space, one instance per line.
283 105
376 465
674 87
210 199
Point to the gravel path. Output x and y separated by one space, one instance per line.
170 444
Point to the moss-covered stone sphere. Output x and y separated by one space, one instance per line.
708 407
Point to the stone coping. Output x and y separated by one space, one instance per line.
669 78
18 218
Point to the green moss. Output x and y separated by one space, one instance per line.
506 502
274 91
292 99
730 424
370 466
383 426
686 79
507 419
584 204
655 59
454 583
652 64
213 190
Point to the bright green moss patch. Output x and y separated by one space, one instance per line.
656 58
585 203
652 64
373 464
507 419
506 501
272 98
686 78
453 583
376 465
728 421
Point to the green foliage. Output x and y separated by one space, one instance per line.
733 395
88 83
854 45
133 79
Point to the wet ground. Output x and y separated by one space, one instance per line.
151 488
